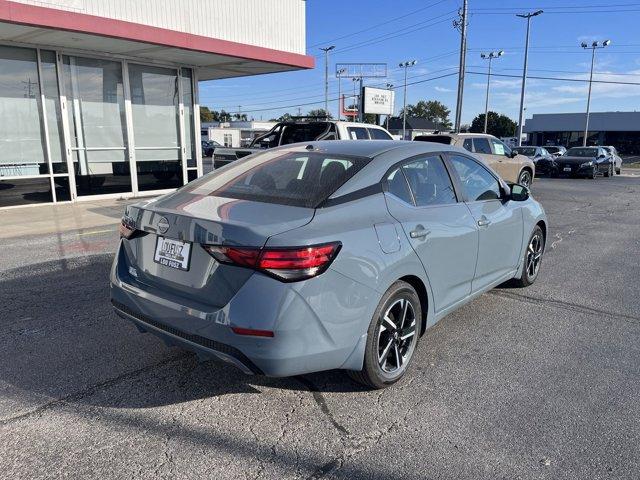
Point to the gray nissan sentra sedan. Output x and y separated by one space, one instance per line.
327 255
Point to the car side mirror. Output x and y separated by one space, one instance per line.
519 193
513 154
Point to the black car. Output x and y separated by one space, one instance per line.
585 162
545 162
556 150
209 147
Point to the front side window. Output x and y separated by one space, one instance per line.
476 180
481 145
429 182
301 179
358 133
500 148
377 134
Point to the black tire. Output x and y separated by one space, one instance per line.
373 373
618 171
525 178
527 278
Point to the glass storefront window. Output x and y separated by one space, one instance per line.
156 126
54 113
97 125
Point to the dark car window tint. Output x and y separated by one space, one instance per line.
357 133
305 132
468 144
293 178
481 145
429 182
377 134
528 151
445 139
476 180
397 185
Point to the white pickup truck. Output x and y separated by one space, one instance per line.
284 133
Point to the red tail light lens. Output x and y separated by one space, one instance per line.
287 264
127 227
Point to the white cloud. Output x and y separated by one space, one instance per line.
443 89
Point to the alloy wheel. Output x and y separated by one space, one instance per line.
534 255
396 336
525 179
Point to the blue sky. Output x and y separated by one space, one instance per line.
424 32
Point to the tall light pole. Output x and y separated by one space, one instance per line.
405 65
326 51
528 16
339 75
390 88
461 24
593 47
489 56
355 98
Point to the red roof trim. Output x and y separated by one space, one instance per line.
45 17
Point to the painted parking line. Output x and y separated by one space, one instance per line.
96 232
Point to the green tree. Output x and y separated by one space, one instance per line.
224 116
432 110
319 112
206 115
240 117
498 125
286 117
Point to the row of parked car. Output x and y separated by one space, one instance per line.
578 161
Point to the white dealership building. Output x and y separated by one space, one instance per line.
100 97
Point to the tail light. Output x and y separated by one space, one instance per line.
288 264
127 227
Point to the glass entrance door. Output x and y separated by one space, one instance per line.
97 125
155 106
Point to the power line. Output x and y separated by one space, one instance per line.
560 79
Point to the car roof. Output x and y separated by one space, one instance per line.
371 148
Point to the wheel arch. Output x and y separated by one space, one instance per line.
421 289
528 169
543 226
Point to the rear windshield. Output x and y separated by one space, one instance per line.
304 132
301 179
552 149
446 139
582 152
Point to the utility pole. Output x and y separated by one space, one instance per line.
355 98
593 47
528 16
489 56
406 65
462 26
339 75
326 51
390 88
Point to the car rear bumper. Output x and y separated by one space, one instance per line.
319 324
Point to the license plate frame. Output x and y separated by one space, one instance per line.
172 253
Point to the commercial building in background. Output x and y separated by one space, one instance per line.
235 134
100 97
415 126
620 129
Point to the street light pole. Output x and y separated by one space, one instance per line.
339 75
593 48
489 56
326 51
524 72
406 65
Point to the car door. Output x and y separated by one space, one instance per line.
421 197
508 164
499 224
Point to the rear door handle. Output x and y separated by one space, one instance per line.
483 222
419 232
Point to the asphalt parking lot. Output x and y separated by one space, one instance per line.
535 383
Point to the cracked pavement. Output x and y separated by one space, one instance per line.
536 383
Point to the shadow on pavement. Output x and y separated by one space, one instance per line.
64 343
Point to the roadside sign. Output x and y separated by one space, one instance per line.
378 101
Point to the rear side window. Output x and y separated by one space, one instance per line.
397 185
481 145
301 179
429 182
476 180
377 134
358 133
468 145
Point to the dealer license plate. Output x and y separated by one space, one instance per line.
567 169
172 253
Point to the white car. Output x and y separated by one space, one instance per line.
617 161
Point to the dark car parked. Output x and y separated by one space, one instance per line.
586 162
556 150
209 147
545 162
